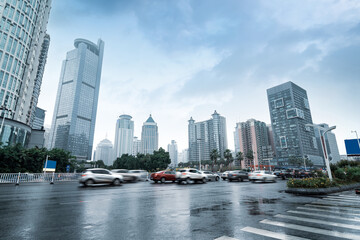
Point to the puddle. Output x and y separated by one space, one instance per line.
215 207
254 205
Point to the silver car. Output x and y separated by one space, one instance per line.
211 176
262 176
99 175
128 176
142 175
190 174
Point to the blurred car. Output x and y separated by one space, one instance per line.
237 176
163 176
305 174
190 174
99 175
141 174
357 190
262 176
224 175
284 174
211 176
128 177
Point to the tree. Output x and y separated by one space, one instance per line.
296 161
214 155
61 157
250 156
239 157
228 156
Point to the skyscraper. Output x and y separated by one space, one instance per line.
23 51
290 112
105 152
39 118
206 136
124 135
74 117
149 136
173 152
136 146
252 135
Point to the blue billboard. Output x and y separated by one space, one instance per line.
49 166
352 147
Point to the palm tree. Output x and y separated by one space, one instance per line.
214 155
228 156
239 157
250 156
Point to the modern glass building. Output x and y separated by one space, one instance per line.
124 135
290 112
173 152
206 136
105 152
39 119
74 117
149 136
23 51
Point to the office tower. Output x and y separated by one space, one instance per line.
22 59
206 136
124 136
183 156
149 136
74 117
252 135
105 152
39 118
173 152
330 142
290 112
136 146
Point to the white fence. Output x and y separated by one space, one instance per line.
38 177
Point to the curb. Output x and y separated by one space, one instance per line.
321 191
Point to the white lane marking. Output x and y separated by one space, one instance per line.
275 235
341 195
325 216
225 238
73 202
312 230
328 211
350 226
349 198
332 203
341 200
333 207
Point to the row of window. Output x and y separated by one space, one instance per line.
279 103
283 142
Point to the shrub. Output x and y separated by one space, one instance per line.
320 182
353 174
340 173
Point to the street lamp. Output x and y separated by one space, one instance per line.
356 137
323 143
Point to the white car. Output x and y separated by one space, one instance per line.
99 175
224 175
190 174
262 176
142 175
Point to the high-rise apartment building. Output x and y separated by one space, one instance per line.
105 152
124 135
74 117
173 152
290 112
39 119
136 146
23 50
206 136
252 135
149 136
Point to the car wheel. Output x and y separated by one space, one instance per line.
217 179
204 180
162 180
188 180
241 179
117 182
155 181
253 180
230 180
89 182
274 180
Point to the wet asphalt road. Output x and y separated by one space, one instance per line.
146 210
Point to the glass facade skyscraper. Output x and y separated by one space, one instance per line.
290 112
23 50
74 117
149 136
124 135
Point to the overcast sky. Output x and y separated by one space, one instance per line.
177 59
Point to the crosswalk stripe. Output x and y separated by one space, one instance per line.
350 226
340 200
332 203
341 197
225 238
312 229
275 235
333 207
329 211
325 216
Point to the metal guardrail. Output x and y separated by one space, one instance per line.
18 178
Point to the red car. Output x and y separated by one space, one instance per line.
163 176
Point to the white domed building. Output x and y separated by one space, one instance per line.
105 152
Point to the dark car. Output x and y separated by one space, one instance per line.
237 176
284 174
163 176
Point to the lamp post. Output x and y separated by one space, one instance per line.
323 143
356 137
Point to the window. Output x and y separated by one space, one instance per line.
279 103
283 143
306 104
307 128
314 142
294 113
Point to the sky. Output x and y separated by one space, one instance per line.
182 59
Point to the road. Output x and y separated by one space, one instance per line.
144 210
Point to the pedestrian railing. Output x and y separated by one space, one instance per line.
38 177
